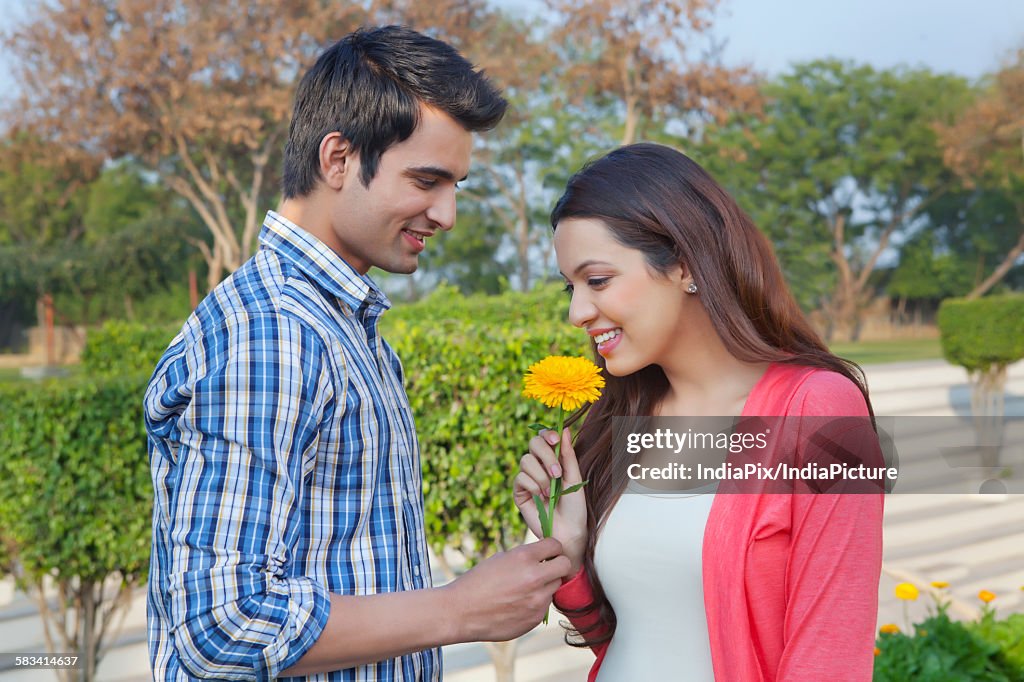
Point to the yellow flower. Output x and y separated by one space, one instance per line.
940 584
889 629
559 381
906 592
877 651
986 596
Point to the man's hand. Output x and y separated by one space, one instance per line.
508 594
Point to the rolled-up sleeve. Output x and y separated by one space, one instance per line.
239 607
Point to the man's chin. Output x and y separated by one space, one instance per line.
401 268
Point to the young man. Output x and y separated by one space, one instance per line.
288 531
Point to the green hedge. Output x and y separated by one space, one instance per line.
79 446
75 493
464 359
120 348
982 333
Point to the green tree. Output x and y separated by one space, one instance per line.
119 198
926 271
844 160
43 193
985 147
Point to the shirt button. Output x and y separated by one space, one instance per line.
416 571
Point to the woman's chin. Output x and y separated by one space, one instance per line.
618 367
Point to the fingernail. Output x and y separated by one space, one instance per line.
556 470
551 437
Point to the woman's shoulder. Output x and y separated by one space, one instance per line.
789 389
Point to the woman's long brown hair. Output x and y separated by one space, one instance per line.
660 202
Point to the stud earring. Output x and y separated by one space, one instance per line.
691 288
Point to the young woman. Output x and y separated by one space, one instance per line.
690 315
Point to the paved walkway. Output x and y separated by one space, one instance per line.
972 541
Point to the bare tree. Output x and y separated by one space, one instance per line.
986 147
646 54
199 92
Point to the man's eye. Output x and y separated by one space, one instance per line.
426 183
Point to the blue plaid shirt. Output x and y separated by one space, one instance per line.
285 467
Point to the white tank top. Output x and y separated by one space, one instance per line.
648 557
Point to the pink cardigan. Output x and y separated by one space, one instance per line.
790 580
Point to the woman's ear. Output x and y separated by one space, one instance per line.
336 160
686 280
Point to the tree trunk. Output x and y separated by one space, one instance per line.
522 226
843 308
901 311
503 656
87 630
214 268
987 408
193 289
1000 271
844 311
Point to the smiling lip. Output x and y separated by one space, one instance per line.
609 345
415 239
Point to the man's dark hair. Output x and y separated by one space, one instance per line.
369 86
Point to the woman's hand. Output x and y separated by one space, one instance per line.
536 469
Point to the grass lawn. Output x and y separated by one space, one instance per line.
897 350
13 374
10 374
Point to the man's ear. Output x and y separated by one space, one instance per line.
337 163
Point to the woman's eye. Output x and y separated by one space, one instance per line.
567 288
596 282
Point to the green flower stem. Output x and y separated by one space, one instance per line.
546 513
547 517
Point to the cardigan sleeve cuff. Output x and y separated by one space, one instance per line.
574 593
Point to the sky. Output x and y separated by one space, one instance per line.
967 37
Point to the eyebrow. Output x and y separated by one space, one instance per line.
437 171
585 264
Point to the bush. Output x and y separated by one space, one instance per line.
942 650
76 501
982 333
75 494
75 491
464 359
1007 634
120 348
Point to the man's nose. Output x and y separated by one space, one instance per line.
442 211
